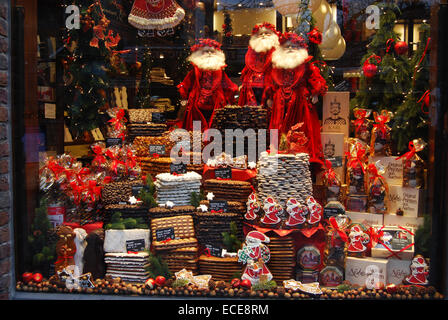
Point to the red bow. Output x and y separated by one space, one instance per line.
155 155
412 151
99 157
207 252
330 174
336 228
361 118
217 211
376 236
357 158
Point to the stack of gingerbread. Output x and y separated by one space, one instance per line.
177 188
228 190
282 262
173 238
220 268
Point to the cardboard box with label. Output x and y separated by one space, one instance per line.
367 219
393 169
366 271
397 270
335 112
410 200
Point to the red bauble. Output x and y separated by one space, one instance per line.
235 283
150 283
391 288
160 280
401 47
369 70
37 277
246 284
27 277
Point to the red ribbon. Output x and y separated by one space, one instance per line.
373 56
357 158
412 151
207 252
335 226
132 252
217 211
421 59
155 155
376 236
99 157
166 241
389 44
380 124
422 100
330 174
361 119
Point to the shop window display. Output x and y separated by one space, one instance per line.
229 149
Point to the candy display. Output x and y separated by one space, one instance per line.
321 201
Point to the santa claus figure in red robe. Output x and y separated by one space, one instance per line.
357 240
293 85
255 254
206 87
263 41
419 272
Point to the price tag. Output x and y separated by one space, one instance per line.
336 162
165 234
137 188
158 117
218 205
223 173
214 251
135 245
157 149
113 142
332 212
179 168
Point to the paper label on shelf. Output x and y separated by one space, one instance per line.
50 110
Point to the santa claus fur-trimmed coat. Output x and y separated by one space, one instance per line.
205 90
290 91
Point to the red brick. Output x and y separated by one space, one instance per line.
3 131
4 149
4 218
4 10
3 27
3 95
4 166
4 184
5 250
5 266
4 45
4 234
3 114
3 78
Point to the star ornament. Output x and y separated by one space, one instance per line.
203 208
210 196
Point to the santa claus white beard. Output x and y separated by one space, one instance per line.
288 59
208 62
263 44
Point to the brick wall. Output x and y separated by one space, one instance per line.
6 265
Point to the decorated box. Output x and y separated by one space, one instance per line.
409 200
393 169
368 219
336 112
397 270
393 242
406 222
366 271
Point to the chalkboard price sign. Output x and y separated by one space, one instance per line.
179 168
213 251
218 206
223 173
165 234
157 149
113 142
135 245
158 117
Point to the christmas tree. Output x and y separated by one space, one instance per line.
306 29
227 30
90 59
411 119
386 72
42 250
143 94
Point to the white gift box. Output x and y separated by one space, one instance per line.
116 241
393 169
366 271
397 270
406 222
367 219
396 239
410 200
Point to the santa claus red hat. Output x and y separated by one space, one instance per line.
266 25
419 261
293 38
256 236
202 43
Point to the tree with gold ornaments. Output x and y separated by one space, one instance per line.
386 73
